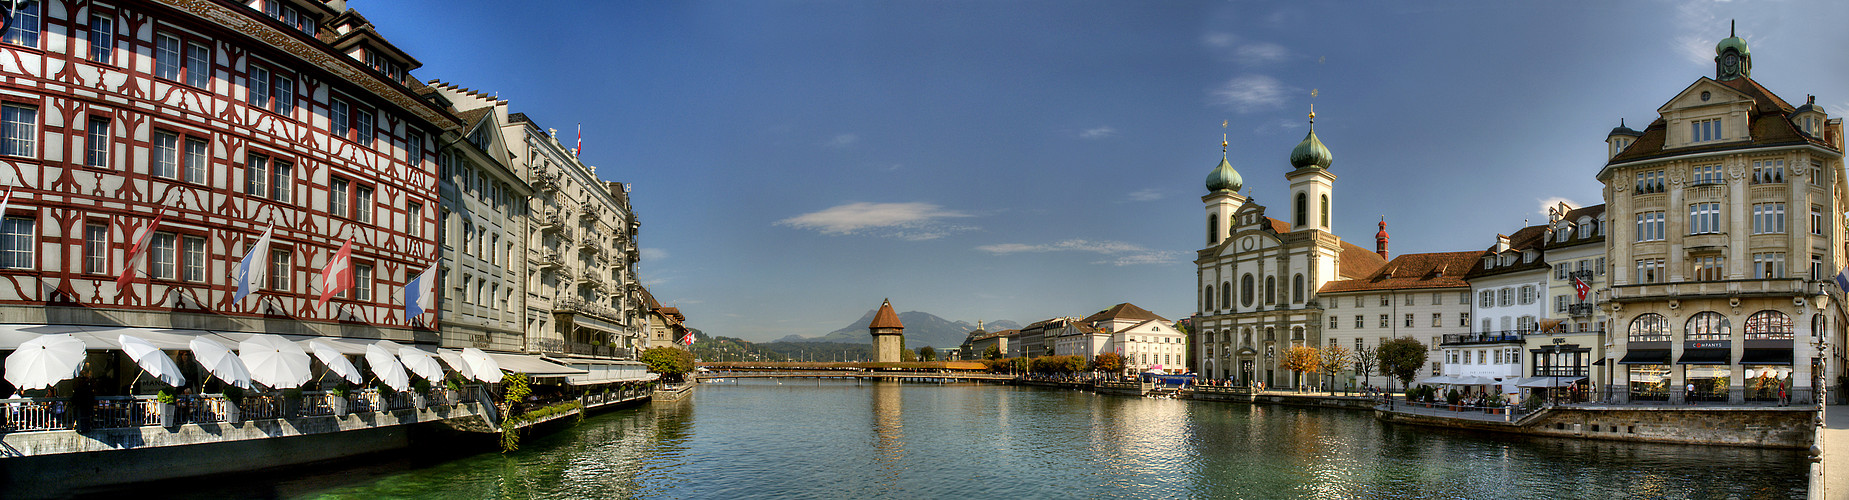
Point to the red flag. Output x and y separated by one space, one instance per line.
580 148
142 239
688 339
1581 287
338 275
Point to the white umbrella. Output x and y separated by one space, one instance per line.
44 361
151 359
482 365
217 358
274 361
336 362
387 368
421 363
455 362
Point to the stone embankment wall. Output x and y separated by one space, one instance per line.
1789 427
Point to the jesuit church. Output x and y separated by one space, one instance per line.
1258 276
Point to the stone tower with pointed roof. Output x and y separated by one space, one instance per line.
888 334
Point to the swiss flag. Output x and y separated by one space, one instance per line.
338 275
141 239
1580 286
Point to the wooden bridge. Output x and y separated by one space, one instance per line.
846 374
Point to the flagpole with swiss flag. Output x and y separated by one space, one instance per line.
337 276
142 239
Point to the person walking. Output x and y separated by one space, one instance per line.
1688 395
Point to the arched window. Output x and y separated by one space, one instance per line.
1303 209
1296 333
1245 290
1271 289
1226 295
1207 298
1213 228
1325 212
1296 289
1247 338
1707 325
1767 325
1271 334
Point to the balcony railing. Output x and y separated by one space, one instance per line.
551 259
1484 337
1581 309
1710 289
1585 276
1559 371
545 181
1770 336
114 412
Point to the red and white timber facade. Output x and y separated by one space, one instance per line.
316 136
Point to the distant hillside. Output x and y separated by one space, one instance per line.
921 329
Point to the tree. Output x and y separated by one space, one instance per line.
1331 361
993 352
927 353
1402 358
1109 362
670 362
1303 359
1367 358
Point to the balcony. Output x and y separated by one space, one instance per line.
590 215
1747 288
591 245
590 279
1502 337
1585 276
553 220
545 181
551 259
1581 309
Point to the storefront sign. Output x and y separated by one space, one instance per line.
1708 344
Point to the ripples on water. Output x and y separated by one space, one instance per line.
839 439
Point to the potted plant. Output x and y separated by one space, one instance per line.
383 400
233 397
168 407
1452 398
292 402
337 399
418 389
1496 401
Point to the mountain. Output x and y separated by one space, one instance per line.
921 329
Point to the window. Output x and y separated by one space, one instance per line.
161 256
1357 301
96 142
1386 300
95 248
282 181
1599 265
1768 218
1438 320
165 149
1769 265
1527 294
18 129
1560 303
1213 229
1296 289
167 56
1358 321
1708 268
1706 174
1707 325
198 65
289 16
16 243
1650 182
1816 267
363 207
1486 298
256 173
364 122
1488 326
1705 130
414 219
1271 289
1334 322
1650 226
258 87
1463 319
1383 321
196 157
383 65
1325 212
1650 271
102 38
24 29
1505 297
338 118
279 270
192 258
1409 298
362 281
1245 290
337 197
1409 320
1207 298
1704 218
1560 271
271 91
1816 219
414 151
1768 325
1768 172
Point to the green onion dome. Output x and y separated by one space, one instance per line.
1732 42
1311 151
1224 178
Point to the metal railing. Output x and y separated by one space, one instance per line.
1484 337
108 412
1581 309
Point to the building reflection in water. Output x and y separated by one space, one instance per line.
888 430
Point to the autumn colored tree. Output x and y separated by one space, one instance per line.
1302 359
1109 362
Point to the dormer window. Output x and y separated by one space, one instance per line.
1585 228
289 16
384 66
1705 130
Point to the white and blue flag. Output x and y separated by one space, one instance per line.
250 270
1842 280
420 294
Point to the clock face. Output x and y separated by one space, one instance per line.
1730 61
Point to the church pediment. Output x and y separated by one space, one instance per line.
1704 92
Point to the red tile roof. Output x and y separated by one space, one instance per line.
1122 311
1770 125
885 318
1413 271
1355 261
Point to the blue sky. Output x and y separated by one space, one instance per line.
795 162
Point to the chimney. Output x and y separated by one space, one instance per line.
1380 239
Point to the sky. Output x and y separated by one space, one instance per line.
795 162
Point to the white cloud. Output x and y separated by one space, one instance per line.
1149 194
1117 253
910 221
1218 40
1698 29
1251 93
1547 203
842 141
1260 53
654 254
1098 133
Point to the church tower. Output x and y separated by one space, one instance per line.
888 334
1731 59
1311 184
1222 198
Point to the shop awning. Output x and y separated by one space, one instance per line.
1646 357
1548 381
1441 379
533 365
1766 357
1704 357
1473 380
1600 362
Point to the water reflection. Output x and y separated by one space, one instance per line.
889 431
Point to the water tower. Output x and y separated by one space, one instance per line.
888 334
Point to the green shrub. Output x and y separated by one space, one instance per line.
1453 397
165 396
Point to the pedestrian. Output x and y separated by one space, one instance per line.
1784 399
1688 395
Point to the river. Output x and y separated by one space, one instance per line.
802 438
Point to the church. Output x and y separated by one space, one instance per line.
1258 276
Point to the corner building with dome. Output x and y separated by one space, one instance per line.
1257 277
